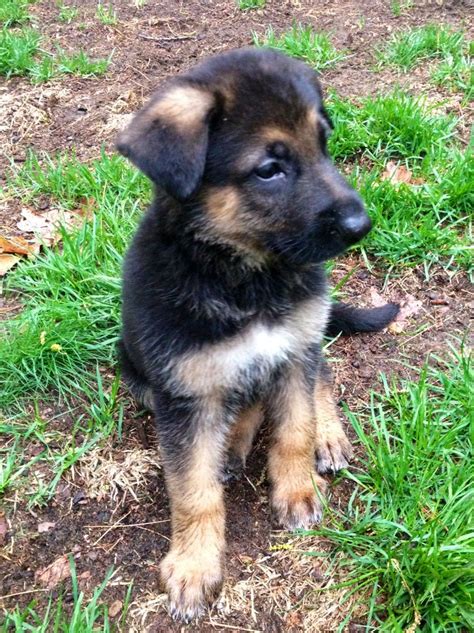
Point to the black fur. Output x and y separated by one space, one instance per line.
346 319
248 206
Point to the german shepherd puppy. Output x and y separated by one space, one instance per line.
225 300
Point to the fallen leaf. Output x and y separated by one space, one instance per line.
33 222
7 262
16 245
408 308
46 226
46 526
399 174
55 573
376 299
3 529
115 608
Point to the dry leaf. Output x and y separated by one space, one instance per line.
7 261
46 226
16 245
55 573
376 299
115 608
408 308
46 526
398 174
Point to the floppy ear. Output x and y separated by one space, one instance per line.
168 138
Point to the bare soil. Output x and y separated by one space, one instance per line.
271 584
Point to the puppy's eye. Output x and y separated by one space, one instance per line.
269 170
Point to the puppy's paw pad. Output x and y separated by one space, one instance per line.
190 586
333 453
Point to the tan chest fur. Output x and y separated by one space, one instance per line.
252 354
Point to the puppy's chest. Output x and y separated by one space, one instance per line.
248 359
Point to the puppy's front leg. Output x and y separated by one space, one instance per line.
192 438
296 486
333 449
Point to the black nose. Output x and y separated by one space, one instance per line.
353 223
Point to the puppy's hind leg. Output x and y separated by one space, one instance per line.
193 439
137 384
333 449
241 439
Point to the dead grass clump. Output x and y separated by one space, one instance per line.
109 474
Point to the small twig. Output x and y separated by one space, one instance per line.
174 38
234 628
127 525
112 527
22 593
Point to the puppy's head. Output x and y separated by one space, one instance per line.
241 141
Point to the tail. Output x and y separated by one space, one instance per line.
345 319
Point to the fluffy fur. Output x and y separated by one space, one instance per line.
225 301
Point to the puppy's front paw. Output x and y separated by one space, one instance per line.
299 508
333 451
191 583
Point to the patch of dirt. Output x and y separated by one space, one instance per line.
271 585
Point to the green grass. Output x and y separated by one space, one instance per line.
406 49
456 74
82 616
429 222
80 64
303 42
17 51
106 14
407 536
21 53
67 13
398 7
70 323
73 301
390 125
14 12
246 5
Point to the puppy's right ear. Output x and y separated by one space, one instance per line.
168 138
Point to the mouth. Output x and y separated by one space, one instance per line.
320 243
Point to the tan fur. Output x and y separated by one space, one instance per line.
244 431
229 223
295 482
273 134
183 106
312 119
215 368
302 139
333 449
192 570
223 205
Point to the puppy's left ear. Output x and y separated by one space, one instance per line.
168 138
